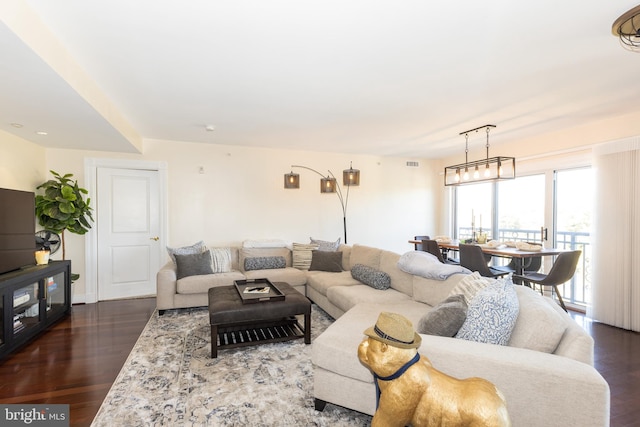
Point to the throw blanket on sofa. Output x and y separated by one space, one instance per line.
428 266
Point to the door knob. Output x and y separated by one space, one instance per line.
154 238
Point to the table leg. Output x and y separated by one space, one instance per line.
214 341
307 328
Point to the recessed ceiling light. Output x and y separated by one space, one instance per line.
41 132
16 125
210 128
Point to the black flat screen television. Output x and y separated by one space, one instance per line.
17 229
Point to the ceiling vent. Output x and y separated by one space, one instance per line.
413 164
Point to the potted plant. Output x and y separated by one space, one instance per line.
63 207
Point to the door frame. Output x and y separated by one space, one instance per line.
91 166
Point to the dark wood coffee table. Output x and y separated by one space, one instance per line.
234 324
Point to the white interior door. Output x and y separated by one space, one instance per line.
128 225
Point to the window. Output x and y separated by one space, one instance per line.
517 210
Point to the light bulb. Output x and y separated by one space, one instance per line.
466 174
487 171
476 173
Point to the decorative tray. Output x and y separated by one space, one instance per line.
257 290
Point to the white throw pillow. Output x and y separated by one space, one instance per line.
470 285
539 326
221 260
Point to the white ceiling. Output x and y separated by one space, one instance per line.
397 78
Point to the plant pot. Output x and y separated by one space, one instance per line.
42 257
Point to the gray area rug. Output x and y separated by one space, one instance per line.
170 379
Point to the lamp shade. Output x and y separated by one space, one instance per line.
351 176
328 185
291 180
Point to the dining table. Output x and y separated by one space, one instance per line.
502 250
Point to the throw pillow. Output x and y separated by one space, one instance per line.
264 263
326 261
446 318
370 276
196 248
221 260
470 285
492 314
302 255
539 327
193 264
326 246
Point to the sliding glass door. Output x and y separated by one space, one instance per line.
573 218
515 210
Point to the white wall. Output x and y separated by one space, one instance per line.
22 163
241 196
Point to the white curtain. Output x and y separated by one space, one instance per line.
616 251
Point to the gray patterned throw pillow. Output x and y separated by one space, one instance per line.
370 276
326 246
264 263
196 248
492 314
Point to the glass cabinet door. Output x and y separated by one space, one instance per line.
26 308
54 293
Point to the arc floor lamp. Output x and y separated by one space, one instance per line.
329 184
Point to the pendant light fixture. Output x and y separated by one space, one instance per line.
487 169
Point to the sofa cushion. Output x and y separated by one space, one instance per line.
290 275
201 284
492 314
263 252
264 263
370 276
365 255
539 327
321 281
433 292
301 254
326 261
193 264
220 260
336 349
445 319
326 246
400 281
345 297
470 285
186 250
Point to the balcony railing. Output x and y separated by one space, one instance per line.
578 290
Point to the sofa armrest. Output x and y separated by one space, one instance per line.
166 286
539 387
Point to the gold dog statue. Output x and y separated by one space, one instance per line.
412 392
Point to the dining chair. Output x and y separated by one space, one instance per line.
561 271
472 257
418 246
432 247
531 265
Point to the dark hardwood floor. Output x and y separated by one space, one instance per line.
76 361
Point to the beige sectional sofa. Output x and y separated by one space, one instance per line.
546 371
555 387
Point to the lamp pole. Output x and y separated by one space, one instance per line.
343 200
